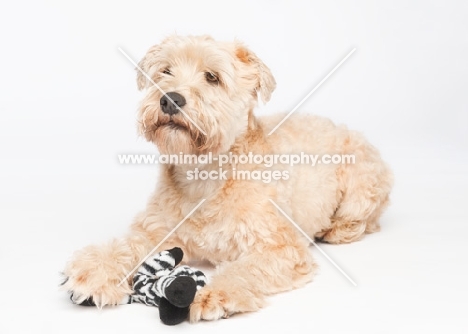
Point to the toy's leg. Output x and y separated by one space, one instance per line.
144 290
146 279
95 271
177 291
170 314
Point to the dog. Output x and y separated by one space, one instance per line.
200 96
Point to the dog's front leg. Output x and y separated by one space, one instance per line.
96 270
242 285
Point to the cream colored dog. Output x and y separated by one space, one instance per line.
256 249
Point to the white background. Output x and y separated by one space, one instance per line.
68 103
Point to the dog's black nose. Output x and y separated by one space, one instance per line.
168 106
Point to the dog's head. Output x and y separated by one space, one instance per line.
200 93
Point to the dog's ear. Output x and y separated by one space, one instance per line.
266 83
149 60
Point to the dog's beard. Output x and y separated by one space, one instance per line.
173 140
174 135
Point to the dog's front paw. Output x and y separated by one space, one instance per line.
94 274
209 305
213 304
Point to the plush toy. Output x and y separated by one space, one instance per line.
158 282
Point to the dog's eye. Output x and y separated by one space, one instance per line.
167 71
211 78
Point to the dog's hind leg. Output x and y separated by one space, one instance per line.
365 188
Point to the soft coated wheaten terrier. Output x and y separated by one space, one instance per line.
257 251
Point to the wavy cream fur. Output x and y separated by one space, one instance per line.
257 251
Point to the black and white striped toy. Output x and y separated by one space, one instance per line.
158 282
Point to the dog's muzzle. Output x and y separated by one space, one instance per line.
171 102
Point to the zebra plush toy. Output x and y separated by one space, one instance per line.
158 282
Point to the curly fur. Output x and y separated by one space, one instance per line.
257 251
